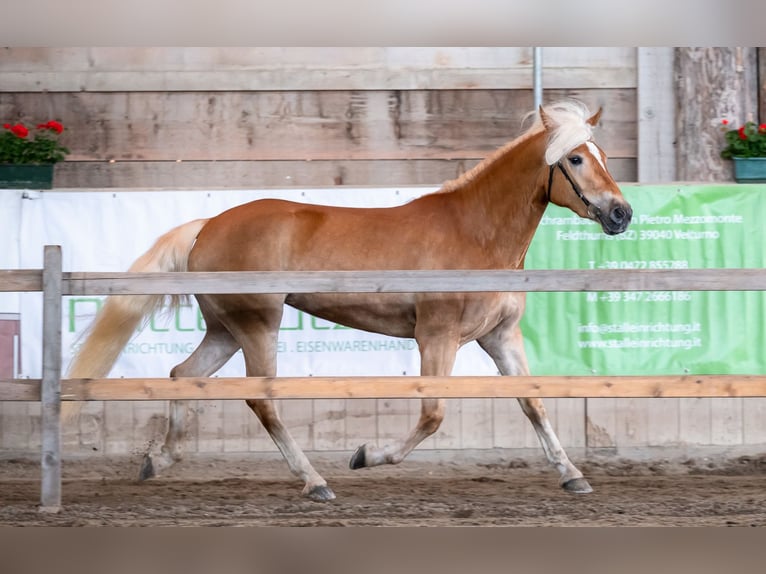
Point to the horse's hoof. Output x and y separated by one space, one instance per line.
357 459
147 469
321 494
577 486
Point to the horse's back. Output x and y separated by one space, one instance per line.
272 234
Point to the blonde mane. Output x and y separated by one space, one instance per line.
571 129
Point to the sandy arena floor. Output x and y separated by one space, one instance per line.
259 491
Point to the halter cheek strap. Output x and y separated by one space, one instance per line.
572 182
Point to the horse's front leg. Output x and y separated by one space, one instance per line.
437 356
506 347
315 487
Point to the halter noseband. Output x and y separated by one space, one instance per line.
572 182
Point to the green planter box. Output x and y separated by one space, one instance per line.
26 176
750 169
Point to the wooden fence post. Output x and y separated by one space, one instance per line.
711 84
50 497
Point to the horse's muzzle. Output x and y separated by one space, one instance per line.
617 219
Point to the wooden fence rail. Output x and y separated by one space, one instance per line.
547 280
391 387
52 389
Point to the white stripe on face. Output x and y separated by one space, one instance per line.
593 149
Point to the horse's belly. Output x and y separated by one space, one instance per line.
386 313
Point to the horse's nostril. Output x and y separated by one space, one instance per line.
618 215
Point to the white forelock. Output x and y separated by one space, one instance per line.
571 128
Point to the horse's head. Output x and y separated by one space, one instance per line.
577 176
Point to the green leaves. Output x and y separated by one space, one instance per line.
17 146
747 141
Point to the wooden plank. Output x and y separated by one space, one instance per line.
425 281
656 115
393 387
729 91
299 126
19 390
316 68
21 280
512 77
398 387
50 386
219 175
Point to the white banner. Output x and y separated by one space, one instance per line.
107 231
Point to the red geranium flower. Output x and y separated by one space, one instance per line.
20 131
52 125
22 145
749 140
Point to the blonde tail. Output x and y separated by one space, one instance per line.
118 319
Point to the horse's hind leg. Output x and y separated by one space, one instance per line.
437 358
506 347
216 348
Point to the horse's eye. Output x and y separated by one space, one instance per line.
575 160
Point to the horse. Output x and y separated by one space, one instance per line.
483 219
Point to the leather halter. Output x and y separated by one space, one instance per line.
572 182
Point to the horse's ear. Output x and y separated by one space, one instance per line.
593 120
548 123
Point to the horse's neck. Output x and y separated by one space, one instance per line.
504 203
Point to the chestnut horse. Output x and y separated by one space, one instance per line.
485 219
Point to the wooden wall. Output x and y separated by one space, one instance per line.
277 117
221 118
711 84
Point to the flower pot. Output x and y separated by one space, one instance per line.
750 169
26 176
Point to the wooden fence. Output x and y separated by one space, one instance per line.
51 389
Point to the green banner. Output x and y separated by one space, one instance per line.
653 332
